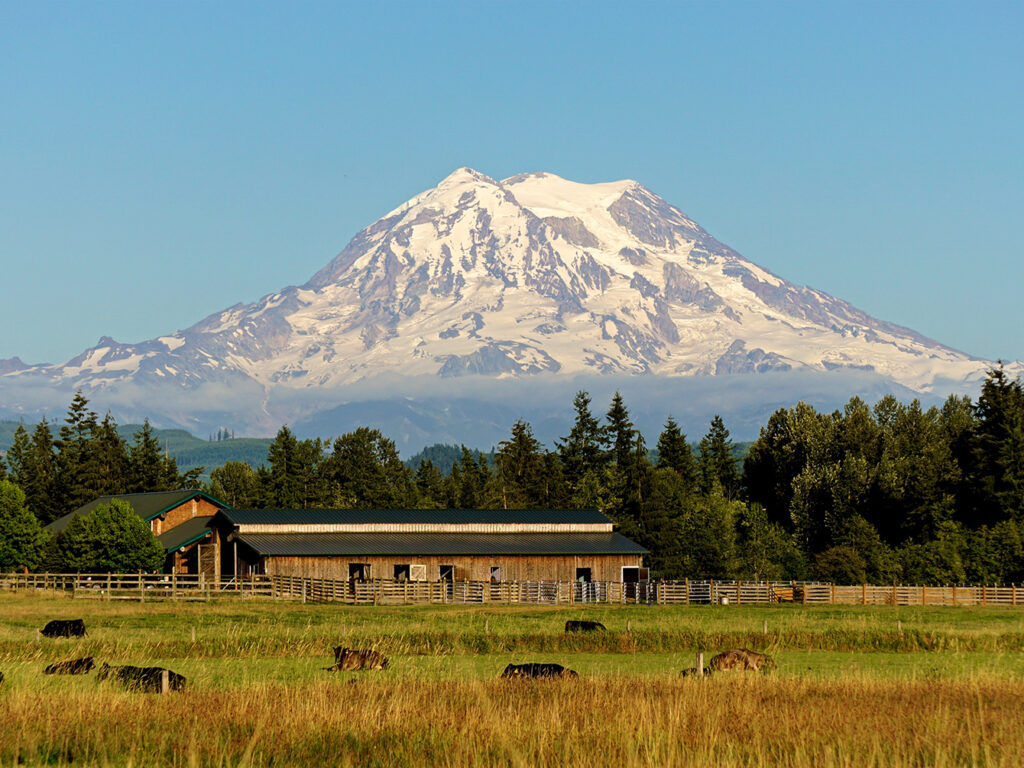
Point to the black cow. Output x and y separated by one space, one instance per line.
142 678
584 626
73 667
1 678
64 628
537 670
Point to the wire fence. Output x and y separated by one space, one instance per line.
140 586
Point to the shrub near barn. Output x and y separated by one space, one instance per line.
110 539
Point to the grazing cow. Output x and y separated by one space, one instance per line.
1 678
142 678
350 659
741 659
537 670
73 667
64 628
584 626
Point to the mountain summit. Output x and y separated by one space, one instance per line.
532 274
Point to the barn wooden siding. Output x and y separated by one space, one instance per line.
475 568
196 507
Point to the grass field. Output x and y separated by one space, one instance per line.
855 686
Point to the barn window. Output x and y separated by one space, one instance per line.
402 572
359 571
583 574
447 573
417 573
495 574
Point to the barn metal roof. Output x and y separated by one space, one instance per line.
182 535
145 505
382 544
414 516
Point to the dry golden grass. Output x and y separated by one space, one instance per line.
945 687
730 721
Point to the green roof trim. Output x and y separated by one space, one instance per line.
188 532
385 544
415 516
145 505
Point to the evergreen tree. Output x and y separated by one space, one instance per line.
147 468
292 477
998 450
79 477
519 467
40 486
659 523
365 471
717 464
110 539
111 458
619 431
429 486
18 457
583 449
674 452
22 539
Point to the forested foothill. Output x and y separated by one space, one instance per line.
890 493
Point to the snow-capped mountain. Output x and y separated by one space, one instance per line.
533 274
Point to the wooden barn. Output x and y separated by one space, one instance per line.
427 545
179 520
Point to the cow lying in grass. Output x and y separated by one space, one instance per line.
584 626
142 678
351 660
537 671
741 659
73 667
64 628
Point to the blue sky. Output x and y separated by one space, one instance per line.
161 161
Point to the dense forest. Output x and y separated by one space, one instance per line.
883 494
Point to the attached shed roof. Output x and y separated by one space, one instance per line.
145 505
413 516
383 544
182 535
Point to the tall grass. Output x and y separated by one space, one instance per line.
730 721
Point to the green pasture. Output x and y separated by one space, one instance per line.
257 642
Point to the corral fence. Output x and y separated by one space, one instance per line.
139 586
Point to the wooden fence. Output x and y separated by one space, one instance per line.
387 592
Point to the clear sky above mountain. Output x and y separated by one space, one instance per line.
159 161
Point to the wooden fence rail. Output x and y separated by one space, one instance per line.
135 586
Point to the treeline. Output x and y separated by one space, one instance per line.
882 494
87 458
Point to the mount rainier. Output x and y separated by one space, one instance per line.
480 288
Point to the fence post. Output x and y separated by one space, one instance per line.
700 664
832 598
165 681
984 596
687 583
894 594
739 588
